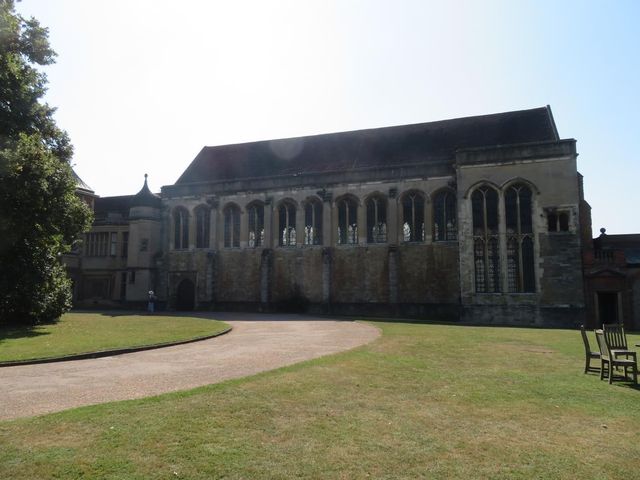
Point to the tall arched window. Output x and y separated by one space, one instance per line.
376 219
413 217
313 222
256 225
445 227
180 228
520 269
287 224
484 202
232 226
347 221
202 214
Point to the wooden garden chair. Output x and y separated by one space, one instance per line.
617 340
589 354
608 359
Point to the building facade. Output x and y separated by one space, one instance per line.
477 219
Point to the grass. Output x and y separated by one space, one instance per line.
77 333
423 401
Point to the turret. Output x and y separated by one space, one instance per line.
144 243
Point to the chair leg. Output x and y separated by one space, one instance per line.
602 362
610 373
586 364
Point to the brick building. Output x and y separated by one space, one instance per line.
612 280
476 218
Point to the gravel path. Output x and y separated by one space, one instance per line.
257 343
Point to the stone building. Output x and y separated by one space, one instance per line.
476 218
612 280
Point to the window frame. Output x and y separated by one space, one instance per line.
376 208
347 234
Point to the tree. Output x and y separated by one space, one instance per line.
40 215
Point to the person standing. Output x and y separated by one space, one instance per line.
152 302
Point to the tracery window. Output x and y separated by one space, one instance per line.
520 258
180 228
256 225
376 220
287 223
232 226
413 217
203 216
347 221
444 217
486 247
313 222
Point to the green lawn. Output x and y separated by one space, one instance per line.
423 401
88 332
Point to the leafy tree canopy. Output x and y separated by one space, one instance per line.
40 215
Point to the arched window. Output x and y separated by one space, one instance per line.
376 219
520 268
232 226
202 226
287 223
256 225
313 222
180 228
347 221
484 203
413 217
445 227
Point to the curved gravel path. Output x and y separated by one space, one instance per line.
257 343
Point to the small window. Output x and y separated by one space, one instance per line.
113 247
123 286
144 245
558 221
125 245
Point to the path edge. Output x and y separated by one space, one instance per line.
110 353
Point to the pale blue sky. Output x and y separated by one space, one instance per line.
142 86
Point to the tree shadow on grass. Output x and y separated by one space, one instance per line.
20 331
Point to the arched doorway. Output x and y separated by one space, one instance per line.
185 298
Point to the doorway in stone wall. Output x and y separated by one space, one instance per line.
186 295
607 308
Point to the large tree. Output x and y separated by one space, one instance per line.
40 215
